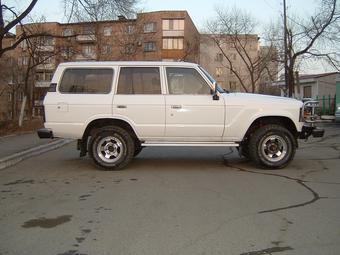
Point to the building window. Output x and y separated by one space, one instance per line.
20 96
173 43
150 46
67 32
23 61
48 76
130 29
67 52
88 50
307 91
46 59
107 49
23 44
86 81
39 76
219 57
219 71
88 30
150 27
173 24
139 80
232 85
107 31
47 40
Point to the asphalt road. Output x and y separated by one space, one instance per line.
174 201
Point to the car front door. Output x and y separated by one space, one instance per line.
191 112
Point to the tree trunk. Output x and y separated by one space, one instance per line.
22 110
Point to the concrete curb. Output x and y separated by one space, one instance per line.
20 156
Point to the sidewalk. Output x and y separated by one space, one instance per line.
15 148
16 143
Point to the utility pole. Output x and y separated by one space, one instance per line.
287 82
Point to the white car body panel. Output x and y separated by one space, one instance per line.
152 117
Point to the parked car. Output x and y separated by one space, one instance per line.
115 109
337 113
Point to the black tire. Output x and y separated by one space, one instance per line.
111 147
138 148
272 146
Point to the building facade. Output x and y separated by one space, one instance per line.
313 85
154 36
233 59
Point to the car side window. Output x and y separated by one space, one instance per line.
186 81
139 80
86 81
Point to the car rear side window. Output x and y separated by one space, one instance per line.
139 80
86 81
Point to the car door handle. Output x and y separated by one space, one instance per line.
176 106
121 106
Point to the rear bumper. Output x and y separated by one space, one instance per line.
44 133
309 129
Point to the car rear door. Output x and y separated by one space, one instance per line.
140 101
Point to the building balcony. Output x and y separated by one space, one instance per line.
173 33
42 84
45 48
86 57
47 66
85 38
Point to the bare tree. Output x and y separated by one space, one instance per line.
233 31
11 82
191 49
313 38
98 10
9 18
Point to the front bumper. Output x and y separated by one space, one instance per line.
44 133
309 129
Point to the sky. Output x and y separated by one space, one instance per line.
199 10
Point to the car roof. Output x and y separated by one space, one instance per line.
127 63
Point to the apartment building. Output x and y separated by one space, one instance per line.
11 91
230 65
154 36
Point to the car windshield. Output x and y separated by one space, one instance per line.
211 79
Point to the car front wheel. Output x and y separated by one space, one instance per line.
272 146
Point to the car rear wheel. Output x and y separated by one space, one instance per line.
111 147
272 146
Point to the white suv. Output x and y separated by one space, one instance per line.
115 109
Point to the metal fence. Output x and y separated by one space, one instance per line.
326 104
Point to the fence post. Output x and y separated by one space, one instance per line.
334 104
323 104
329 104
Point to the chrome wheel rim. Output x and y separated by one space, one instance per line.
110 149
274 148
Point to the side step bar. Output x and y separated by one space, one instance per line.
200 144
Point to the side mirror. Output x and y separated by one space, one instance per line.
215 95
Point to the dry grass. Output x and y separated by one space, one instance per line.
12 127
